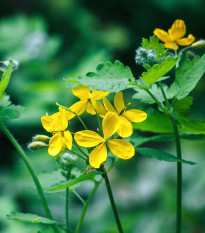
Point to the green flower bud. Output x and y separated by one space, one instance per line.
37 145
199 44
41 138
68 160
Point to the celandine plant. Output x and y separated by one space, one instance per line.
114 137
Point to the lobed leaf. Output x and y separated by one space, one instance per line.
158 70
187 76
161 155
108 77
32 218
182 106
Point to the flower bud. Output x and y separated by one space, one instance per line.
199 44
41 138
145 56
68 160
37 145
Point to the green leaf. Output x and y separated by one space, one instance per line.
187 76
108 77
8 110
153 43
69 183
158 70
182 106
156 122
161 155
160 123
32 218
5 79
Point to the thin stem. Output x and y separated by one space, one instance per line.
82 157
86 206
31 171
79 197
107 182
164 95
76 145
179 176
87 202
67 202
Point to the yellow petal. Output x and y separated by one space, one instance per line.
119 102
81 92
55 122
162 35
125 129
68 139
108 105
90 109
79 107
178 30
99 108
171 46
98 155
55 144
135 115
87 138
186 41
121 148
67 114
97 95
110 124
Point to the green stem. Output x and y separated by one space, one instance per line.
107 182
86 206
76 145
31 171
82 157
67 203
79 197
164 95
179 176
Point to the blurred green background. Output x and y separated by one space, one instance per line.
53 40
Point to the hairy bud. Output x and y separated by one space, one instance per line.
36 145
199 44
41 138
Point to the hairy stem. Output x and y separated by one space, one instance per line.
31 171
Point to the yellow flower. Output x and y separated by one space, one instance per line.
57 124
118 147
174 35
125 116
87 100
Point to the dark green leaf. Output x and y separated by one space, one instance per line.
69 183
161 155
108 77
187 76
182 106
158 70
32 218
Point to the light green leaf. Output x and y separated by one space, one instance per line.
161 155
32 218
158 70
187 76
69 183
182 106
8 110
153 43
108 77
5 79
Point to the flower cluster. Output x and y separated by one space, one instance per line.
115 119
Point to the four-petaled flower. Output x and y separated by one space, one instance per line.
126 116
57 124
118 147
174 35
87 100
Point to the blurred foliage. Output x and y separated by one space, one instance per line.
53 40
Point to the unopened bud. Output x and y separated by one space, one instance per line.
190 54
41 138
67 160
199 44
37 145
